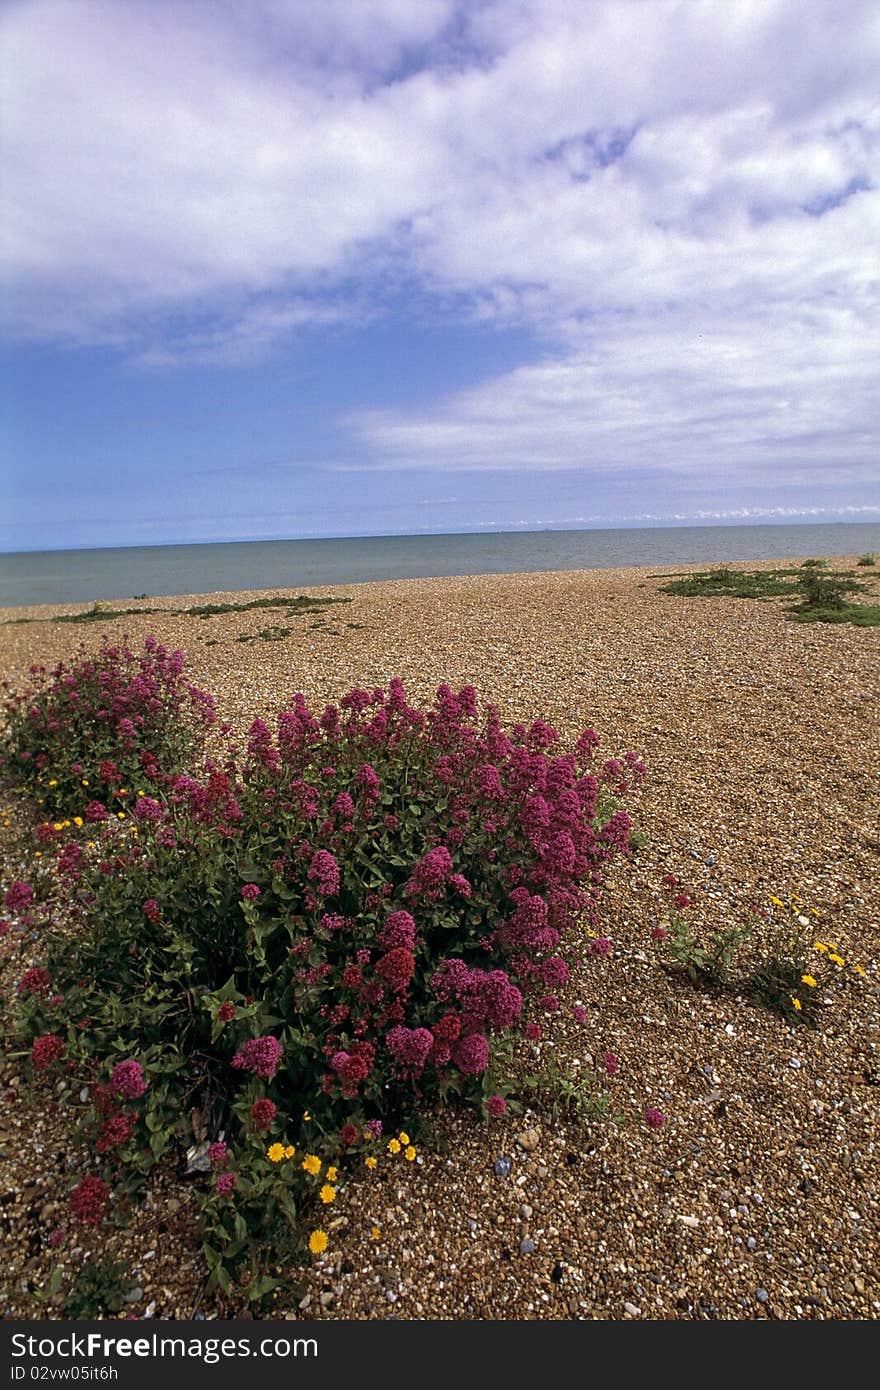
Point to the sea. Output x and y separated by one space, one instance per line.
125 572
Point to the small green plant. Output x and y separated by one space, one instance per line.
866 560
710 965
824 591
796 974
99 1286
814 564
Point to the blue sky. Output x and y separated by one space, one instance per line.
271 268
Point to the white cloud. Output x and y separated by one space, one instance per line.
682 200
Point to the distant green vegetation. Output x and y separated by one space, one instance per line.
822 593
294 606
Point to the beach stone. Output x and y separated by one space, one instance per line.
501 1167
527 1247
529 1140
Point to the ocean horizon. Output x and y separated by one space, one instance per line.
158 571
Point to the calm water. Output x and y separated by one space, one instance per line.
79 576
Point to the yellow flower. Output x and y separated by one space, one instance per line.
123 791
858 969
318 1242
57 825
815 911
306 1115
404 1138
275 1153
776 901
819 946
85 782
54 782
409 1152
120 815
797 1003
77 820
332 1174
289 1151
311 1164
370 1161
140 793
394 1146
375 1232
838 960
327 1193
808 980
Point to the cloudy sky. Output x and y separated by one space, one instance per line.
278 268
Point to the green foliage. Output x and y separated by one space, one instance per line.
94 732
866 560
711 965
311 941
823 596
98 1287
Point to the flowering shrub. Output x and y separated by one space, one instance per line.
94 732
317 937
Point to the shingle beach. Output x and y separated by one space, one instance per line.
759 1196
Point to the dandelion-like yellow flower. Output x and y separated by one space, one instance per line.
77 820
311 1164
808 980
54 782
306 1115
289 1151
819 946
370 1161
332 1174
858 969
327 1194
838 960
404 1138
776 901
140 793
797 1003
318 1242
85 782
394 1146
815 911
120 815
56 825
275 1153
375 1232
409 1152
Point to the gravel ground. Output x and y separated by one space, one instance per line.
758 1196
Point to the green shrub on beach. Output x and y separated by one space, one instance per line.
281 960
96 731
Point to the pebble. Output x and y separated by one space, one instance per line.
527 1247
529 1140
501 1167
134 1295
763 1296
632 1309
525 1211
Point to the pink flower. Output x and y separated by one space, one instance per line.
46 1049
653 1117
496 1105
396 968
409 1046
18 894
659 933
127 1079
262 1056
533 1032
35 981
150 909
600 946
218 1154
323 871
610 1063
89 1201
226 1013
471 1054
225 1183
681 901
578 1013
250 892
263 1113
